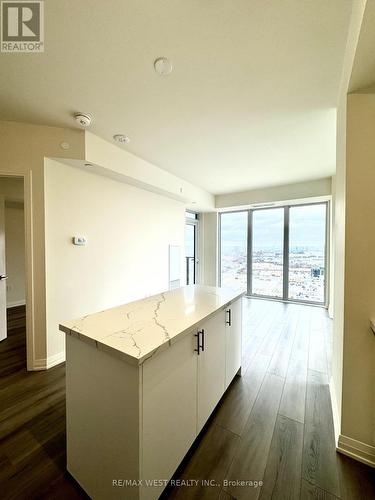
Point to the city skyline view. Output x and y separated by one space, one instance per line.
306 276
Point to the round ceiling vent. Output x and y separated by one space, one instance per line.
123 139
163 66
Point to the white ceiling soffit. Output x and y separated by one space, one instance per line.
363 72
250 102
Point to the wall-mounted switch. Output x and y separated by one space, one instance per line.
79 240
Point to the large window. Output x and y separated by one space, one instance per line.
276 252
267 252
307 242
233 250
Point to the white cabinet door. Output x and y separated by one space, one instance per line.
211 366
169 410
233 334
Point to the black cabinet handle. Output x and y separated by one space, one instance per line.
198 345
229 322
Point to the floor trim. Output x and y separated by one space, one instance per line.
335 411
362 452
46 363
16 303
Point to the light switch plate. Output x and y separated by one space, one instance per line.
79 240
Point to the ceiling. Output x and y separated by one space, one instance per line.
363 71
250 102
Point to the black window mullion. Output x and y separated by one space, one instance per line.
286 255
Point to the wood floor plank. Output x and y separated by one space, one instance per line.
225 496
250 461
282 478
311 492
277 324
280 359
294 394
32 419
210 462
317 351
234 410
320 465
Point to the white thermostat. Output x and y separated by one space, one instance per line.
79 240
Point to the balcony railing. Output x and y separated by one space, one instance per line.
190 270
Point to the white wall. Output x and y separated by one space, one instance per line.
15 253
118 161
339 223
128 231
209 248
358 394
23 150
11 188
285 193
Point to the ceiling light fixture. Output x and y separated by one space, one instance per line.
123 139
83 119
163 66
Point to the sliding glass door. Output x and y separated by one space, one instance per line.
267 252
191 247
307 252
233 250
276 252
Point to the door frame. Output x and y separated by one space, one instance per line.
29 269
196 225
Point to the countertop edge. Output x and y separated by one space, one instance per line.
139 361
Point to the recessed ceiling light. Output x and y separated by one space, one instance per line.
83 119
124 139
163 66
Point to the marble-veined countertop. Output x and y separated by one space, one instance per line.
135 331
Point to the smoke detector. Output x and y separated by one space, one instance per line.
163 66
123 139
83 119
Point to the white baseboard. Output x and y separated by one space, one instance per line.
55 360
335 411
16 303
46 363
362 452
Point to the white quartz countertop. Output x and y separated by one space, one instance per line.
135 331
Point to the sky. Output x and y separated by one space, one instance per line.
307 228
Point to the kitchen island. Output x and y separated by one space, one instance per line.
141 381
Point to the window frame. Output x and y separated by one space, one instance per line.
286 253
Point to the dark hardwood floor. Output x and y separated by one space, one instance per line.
274 424
32 423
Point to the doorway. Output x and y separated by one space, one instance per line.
12 264
191 248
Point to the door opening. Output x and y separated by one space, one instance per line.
191 248
12 266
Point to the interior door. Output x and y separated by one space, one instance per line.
3 288
211 366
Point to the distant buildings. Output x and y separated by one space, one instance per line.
306 273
